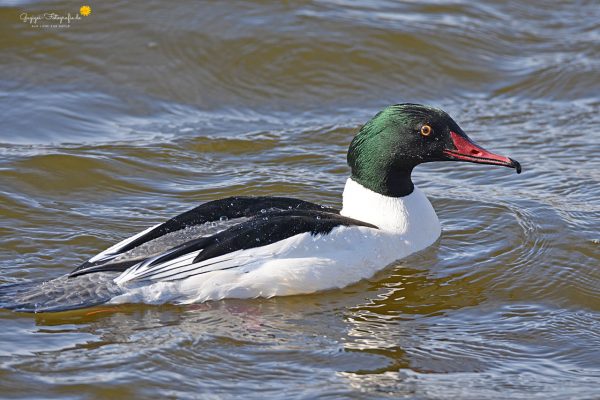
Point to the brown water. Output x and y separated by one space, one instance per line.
145 109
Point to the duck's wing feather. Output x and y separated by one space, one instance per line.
235 246
189 225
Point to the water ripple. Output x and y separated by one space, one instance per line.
138 114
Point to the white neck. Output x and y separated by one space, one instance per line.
411 215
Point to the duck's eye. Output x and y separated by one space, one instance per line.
426 130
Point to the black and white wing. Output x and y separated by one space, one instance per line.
236 246
191 225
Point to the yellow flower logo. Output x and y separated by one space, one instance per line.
85 10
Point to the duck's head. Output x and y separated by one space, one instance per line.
400 137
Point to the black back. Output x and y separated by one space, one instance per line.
230 208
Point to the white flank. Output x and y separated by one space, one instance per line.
302 263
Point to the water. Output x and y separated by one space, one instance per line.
143 110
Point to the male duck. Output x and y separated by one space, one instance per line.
276 246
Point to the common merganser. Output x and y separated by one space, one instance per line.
274 246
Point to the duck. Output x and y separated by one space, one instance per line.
278 246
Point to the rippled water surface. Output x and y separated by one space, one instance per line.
143 110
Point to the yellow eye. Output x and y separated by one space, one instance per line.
426 130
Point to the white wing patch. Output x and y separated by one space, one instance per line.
162 243
145 271
115 250
184 267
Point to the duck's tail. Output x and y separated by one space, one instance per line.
60 294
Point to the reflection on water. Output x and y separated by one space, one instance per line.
140 112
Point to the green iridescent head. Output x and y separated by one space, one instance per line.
400 137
